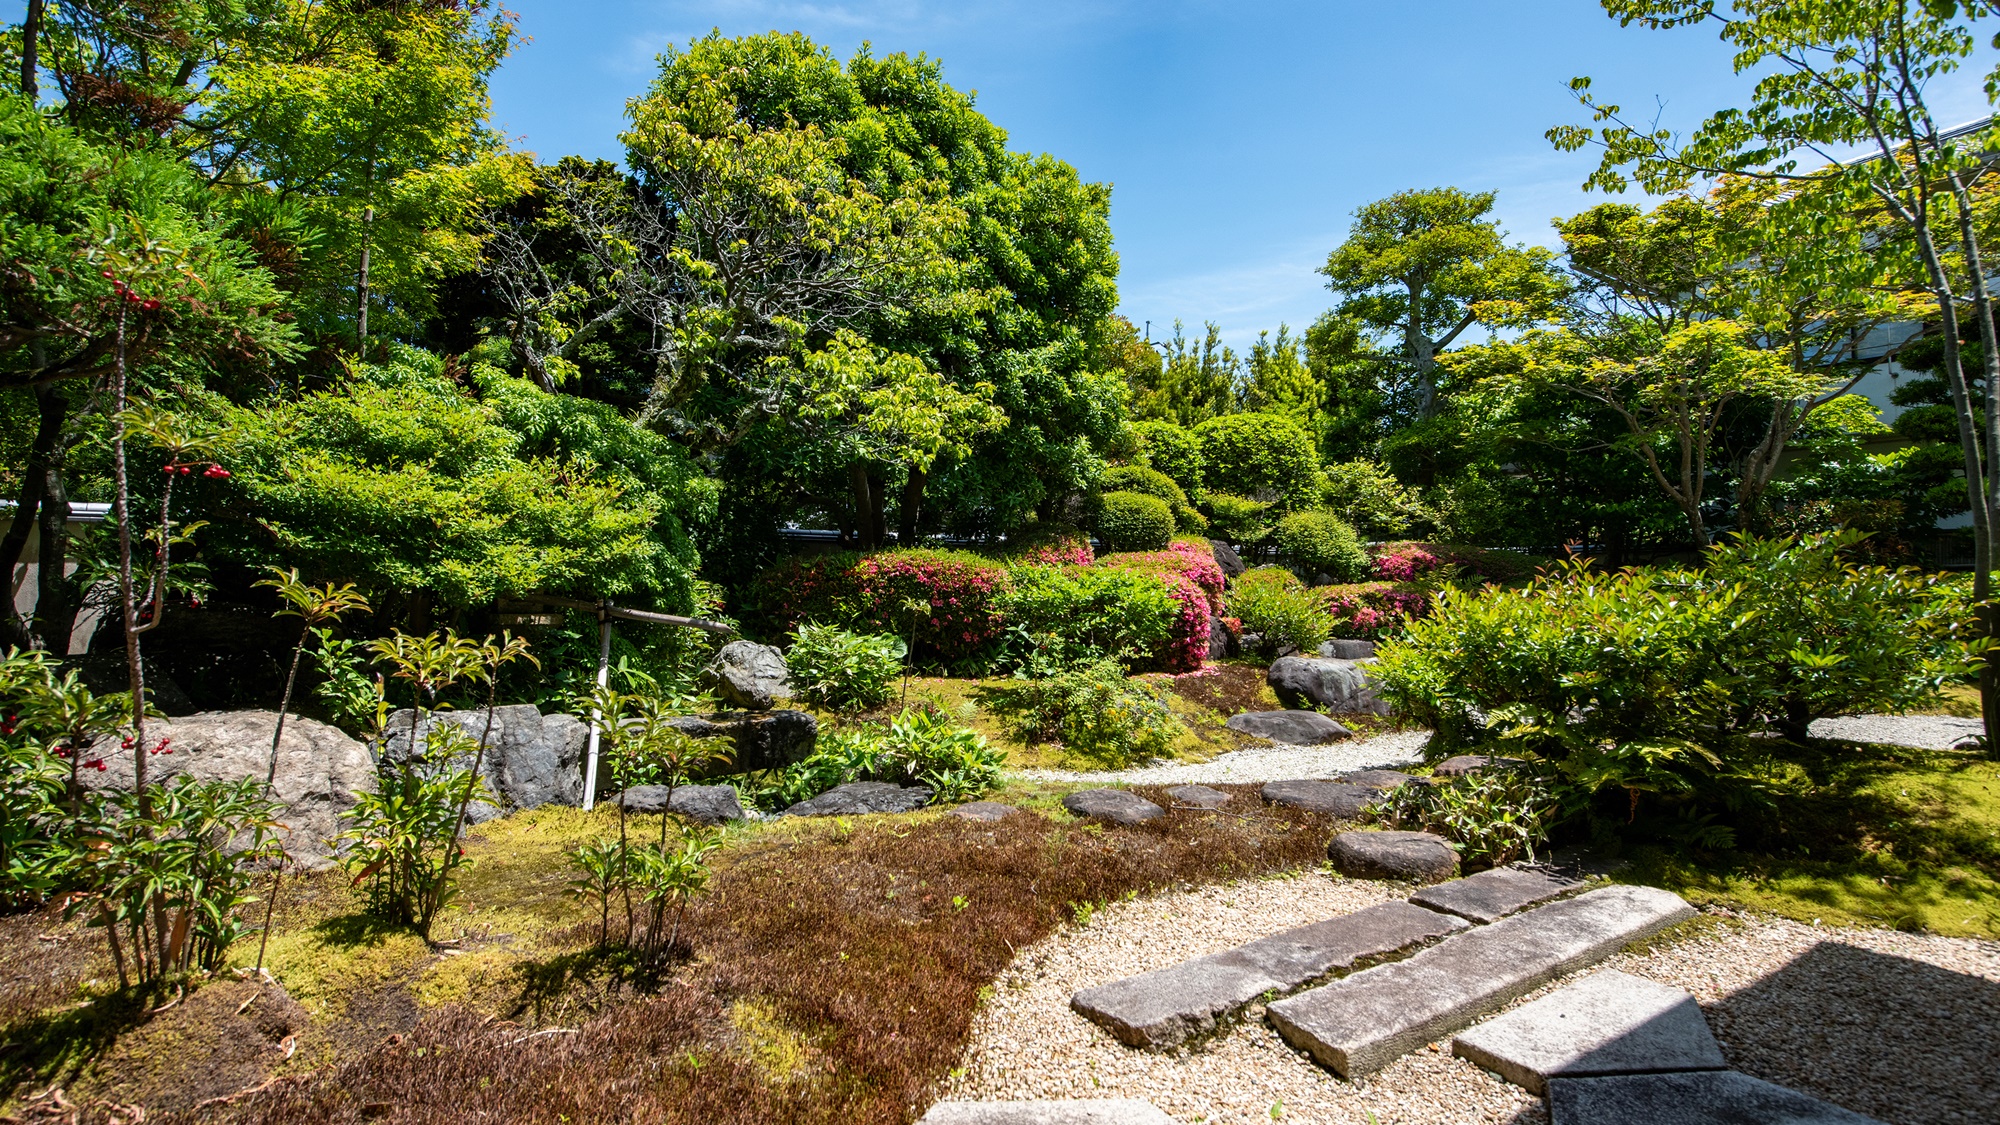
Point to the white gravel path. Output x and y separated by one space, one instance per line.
1926 732
1277 762
1903 1027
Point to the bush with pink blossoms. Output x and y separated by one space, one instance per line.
1051 546
1413 561
1373 610
872 594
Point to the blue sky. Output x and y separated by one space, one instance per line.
1239 138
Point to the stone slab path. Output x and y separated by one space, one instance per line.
1606 1023
1493 894
1168 1006
1925 732
1716 1097
1358 1024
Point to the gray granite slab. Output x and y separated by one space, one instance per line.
1170 1005
1606 1023
1492 895
1336 798
1199 796
1715 1097
1119 806
1358 1024
1090 1111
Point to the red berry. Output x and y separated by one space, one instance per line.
109 274
151 306
167 469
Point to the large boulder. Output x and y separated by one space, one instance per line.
858 798
704 804
1465 765
749 675
1296 728
319 768
1227 558
1339 686
1411 857
531 759
765 740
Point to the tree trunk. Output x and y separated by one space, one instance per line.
361 285
907 513
55 605
31 27
878 522
46 449
121 500
864 508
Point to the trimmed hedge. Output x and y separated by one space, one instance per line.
1322 543
1172 450
1152 482
1133 521
1076 614
1264 455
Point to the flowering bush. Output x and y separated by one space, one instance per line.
1050 546
1371 610
1193 559
1065 616
948 599
1410 562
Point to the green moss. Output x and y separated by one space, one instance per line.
778 1051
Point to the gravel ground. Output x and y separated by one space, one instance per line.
1900 1026
1277 762
1927 732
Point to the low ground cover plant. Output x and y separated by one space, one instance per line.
1092 710
1494 816
1272 603
843 671
920 746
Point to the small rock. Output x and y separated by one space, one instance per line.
859 798
1227 558
1341 648
1200 796
1380 780
1415 857
704 804
1341 686
1221 642
1467 764
1335 798
1116 805
984 811
749 675
1297 728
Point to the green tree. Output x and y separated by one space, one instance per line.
1422 267
1193 382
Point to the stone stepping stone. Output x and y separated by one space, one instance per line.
1168 1006
1465 765
859 798
1119 806
1335 798
704 804
1200 796
1380 780
1414 857
1606 1023
1716 1097
1298 728
1091 1111
986 811
1356 1025
1492 895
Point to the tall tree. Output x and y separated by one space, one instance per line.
1837 77
1422 267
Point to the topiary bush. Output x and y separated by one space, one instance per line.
1263 455
1133 521
842 671
1272 602
1321 543
1173 450
1237 519
1152 482
1061 617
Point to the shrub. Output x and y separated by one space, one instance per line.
1494 816
1172 450
1092 710
1237 519
844 671
1373 610
1366 495
872 593
1050 545
920 747
1321 543
1074 615
1651 681
1265 455
1192 558
401 838
1412 562
1273 603
1151 482
1133 521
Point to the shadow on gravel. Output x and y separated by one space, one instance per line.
1901 1040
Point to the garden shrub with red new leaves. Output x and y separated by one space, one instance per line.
1373 610
867 593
